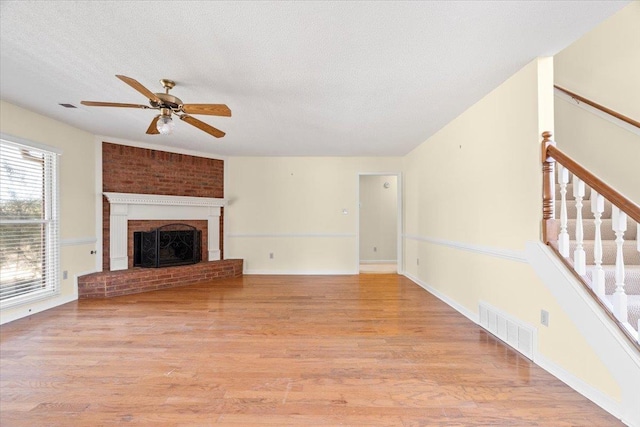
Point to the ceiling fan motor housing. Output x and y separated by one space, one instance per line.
168 101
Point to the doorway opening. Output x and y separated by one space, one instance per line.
379 248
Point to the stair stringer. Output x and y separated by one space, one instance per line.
602 334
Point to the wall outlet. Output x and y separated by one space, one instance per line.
544 317
270 255
65 275
417 261
375 249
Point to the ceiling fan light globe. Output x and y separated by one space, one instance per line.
165 125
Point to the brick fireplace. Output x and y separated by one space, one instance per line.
137 170
153 207
145 189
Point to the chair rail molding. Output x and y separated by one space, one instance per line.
509 254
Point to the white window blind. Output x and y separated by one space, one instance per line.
29 248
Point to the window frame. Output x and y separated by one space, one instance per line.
51 220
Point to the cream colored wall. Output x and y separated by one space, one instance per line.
603 66
77 196
378 218
609 151
292 207
477 184
478 177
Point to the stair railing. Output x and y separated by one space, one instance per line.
597 106
556 236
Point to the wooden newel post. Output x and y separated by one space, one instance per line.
549 226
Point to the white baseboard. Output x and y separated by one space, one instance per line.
378 261
442 297
29 309
594 395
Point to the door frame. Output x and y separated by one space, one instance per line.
399 225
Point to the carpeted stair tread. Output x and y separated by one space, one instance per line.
587 192
606 230
586 209
629 252
633 309
631 278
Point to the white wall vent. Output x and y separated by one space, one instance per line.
515 333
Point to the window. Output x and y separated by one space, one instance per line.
29 249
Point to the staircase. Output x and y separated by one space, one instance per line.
630 249
595 230
589 259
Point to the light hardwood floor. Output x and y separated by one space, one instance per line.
367 350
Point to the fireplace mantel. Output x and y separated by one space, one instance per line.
130 206
157 199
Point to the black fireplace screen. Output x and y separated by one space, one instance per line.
172 244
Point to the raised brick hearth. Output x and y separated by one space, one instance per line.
124 282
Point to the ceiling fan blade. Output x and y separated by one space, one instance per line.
138 86
209 109
202 126
111 104
153 129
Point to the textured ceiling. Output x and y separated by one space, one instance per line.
320 78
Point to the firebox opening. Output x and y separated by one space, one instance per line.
169 245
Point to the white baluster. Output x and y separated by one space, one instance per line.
619 296
638 247
579 261
563 238
597 279
638 244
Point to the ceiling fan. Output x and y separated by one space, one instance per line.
168 105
